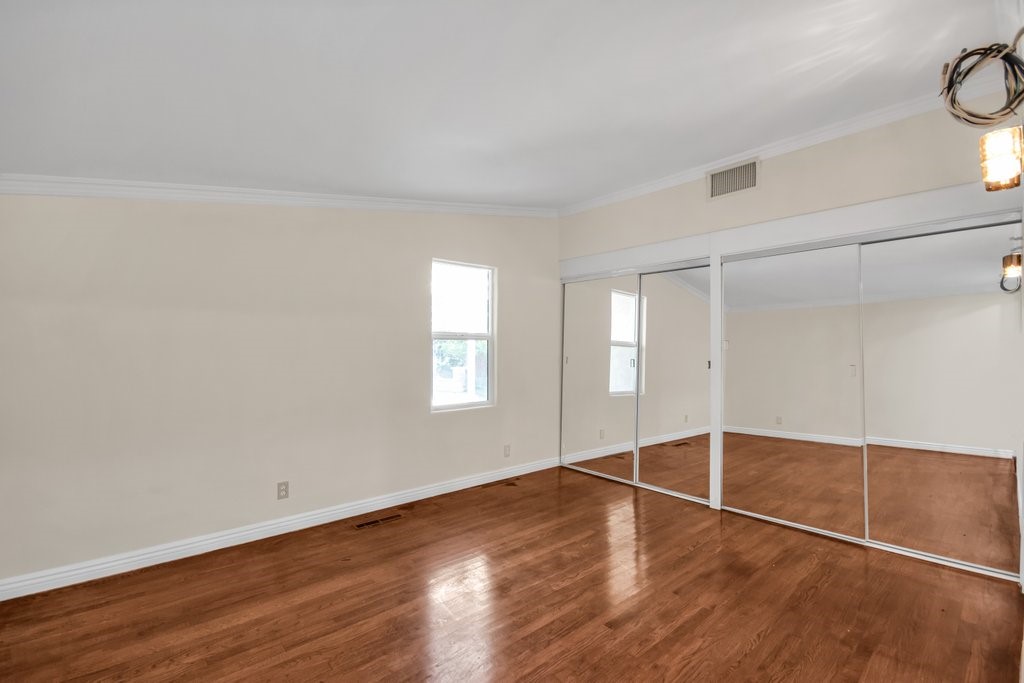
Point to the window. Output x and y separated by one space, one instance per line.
622 374
622 358
462 313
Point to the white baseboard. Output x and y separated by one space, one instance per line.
627 446
942 447
797 436
876 441
593 453
674 436
67 575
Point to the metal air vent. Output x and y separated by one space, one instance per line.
742 177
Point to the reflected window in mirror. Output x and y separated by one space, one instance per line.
624 343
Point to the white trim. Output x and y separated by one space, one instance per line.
887 547
488 338
876 441
857 124
61 186
942 447
594 453
602 475
67 575
674 436
949 208
627 446
796 436
945 561
716 383
66 186
640 485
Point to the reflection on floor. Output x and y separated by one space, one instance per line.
619 465
816 484
958 506
552 576
680 465
962 506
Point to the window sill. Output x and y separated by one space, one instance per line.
455 407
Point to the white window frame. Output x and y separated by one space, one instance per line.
637 343
489 337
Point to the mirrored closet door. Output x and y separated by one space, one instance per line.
793 441
674 417
600 374
943 376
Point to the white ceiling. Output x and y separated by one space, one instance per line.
949 264
532 103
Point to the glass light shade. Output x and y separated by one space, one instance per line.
1001 158
1011 265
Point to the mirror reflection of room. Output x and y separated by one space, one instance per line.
674 419
793 418
942 347
599 375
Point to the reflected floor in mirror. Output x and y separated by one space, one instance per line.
959 506
815 484
681 465
555 575
617 465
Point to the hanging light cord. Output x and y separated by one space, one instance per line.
968 63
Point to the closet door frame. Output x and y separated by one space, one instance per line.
962 207
689 264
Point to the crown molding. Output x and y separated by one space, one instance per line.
59 186
857 124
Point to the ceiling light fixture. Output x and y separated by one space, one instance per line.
1001 151
1011 269
1001 158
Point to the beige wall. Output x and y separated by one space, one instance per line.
587 407
675 358
795 365
946 370
942 371
920 153
162 365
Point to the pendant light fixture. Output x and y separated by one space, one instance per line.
1001 151
1001 158
1011 272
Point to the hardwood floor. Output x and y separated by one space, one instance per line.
552 576
618 465
680 465
816 484
958 506
961 506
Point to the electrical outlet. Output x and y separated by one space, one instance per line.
600 434
508 450
686 418
282 490
778 420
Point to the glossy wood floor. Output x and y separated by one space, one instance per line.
816 484
961 506
557 575
958 506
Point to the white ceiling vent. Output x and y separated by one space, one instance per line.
726 181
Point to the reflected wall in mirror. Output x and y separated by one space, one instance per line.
793 442
674 419
943 378
599 375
